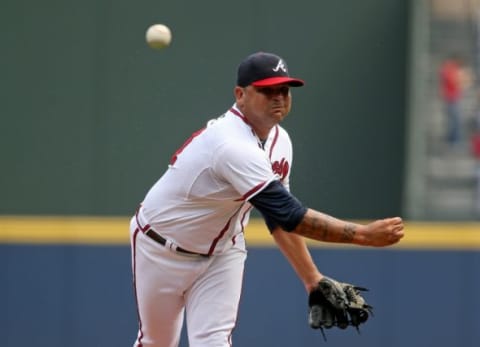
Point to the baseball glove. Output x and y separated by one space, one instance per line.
333 303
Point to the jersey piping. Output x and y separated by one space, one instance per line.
159 206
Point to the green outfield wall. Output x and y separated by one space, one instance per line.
90 115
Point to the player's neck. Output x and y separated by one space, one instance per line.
261 128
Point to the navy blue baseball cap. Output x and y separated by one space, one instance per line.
265 69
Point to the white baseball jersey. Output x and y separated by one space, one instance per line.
201 202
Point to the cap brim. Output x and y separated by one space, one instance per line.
272 81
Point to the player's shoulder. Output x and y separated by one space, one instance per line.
282 131
283 135
219 122
229 127
234 138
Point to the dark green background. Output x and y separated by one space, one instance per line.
90 115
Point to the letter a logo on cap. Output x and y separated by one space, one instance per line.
279 66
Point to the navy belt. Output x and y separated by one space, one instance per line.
158 238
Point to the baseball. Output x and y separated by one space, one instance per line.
158 36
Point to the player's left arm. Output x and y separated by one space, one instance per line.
295 250
280 208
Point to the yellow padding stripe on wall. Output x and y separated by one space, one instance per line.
115 231
74 230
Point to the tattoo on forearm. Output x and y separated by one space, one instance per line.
316 228
324 229
319 227
348 232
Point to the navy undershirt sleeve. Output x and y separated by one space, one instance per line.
279 207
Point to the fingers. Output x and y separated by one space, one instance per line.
386 232
396 230
394 221
397 227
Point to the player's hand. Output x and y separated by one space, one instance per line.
332 303
383 232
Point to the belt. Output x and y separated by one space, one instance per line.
158 238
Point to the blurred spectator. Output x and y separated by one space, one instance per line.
453 81
476 154
476 145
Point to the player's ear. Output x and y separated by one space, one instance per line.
238 92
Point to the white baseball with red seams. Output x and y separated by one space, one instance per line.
201 205
158 36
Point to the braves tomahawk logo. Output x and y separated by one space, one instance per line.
280 66
281 168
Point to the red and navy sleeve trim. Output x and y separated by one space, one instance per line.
279 207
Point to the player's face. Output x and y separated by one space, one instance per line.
265 105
